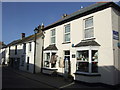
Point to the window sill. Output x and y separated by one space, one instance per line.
87 74
66 42
92 38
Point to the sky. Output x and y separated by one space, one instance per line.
23 17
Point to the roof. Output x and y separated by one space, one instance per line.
31 37
83 12
51 47
87 43
2 45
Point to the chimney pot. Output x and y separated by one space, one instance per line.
22 35
64 15
42 26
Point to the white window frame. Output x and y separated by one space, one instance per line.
89 59
44 58
65 33
91 27
52 36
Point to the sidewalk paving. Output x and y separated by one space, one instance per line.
54 81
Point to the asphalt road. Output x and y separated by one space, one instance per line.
13 80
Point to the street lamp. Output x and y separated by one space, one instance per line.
35 32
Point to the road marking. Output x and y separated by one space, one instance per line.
67 85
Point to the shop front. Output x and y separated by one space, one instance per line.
50 59
87 55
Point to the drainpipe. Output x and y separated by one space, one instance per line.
35 31
42 53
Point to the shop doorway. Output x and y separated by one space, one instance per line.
67 65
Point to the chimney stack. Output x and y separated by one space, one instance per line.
64 15
39 28
42 26
22 35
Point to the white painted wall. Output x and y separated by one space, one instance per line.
38 62
116 27
103 34
30 54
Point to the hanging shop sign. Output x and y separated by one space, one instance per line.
115 35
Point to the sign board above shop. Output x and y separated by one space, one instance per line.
115 35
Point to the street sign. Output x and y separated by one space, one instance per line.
115 35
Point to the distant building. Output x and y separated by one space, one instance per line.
2 53
20 54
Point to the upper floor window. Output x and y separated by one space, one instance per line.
67 33
30 46
88 28
53 36
15 49
24 48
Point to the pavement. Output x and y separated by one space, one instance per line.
55 82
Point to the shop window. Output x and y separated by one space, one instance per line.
86 63
82 61
94 61
47 60
50 60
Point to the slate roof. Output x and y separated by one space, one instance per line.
87 43
31 37
51 47
83 12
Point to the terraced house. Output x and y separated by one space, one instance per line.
26 53
85 44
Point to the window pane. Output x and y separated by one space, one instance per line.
67 28
47 56
67 52
67 37
88 22
52 39
89 33
82 66
82 55
47 61
53 32
94 67
94 55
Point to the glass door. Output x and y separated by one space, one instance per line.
67 62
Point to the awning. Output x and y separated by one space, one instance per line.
51 47
87 43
